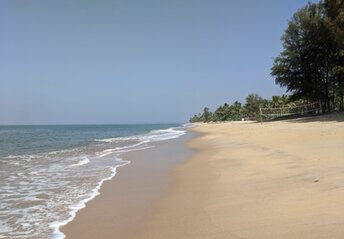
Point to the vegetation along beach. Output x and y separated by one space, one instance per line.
96 138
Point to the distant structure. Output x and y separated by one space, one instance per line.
273 113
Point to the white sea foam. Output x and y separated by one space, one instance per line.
26 158
153 136
55 185
161 135
122 149
83 161
189 125
118 139
57 234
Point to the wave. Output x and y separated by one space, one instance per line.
117 150
83 161
57 234
152 136
189 125
64 181
41 155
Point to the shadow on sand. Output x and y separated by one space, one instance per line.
334 117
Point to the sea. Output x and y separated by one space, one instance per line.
48 173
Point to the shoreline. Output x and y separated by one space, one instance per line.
126 199
243 180
57 225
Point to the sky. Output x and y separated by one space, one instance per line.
143 61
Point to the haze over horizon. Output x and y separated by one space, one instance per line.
110 62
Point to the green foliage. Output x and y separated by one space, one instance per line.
334 21
207 115
253 102
194 119
236 111
250 110
311 66
221 113
227 112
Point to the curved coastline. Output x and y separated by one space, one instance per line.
43 191
243 180
57 234
142 183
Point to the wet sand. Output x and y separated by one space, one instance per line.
246 180
126 200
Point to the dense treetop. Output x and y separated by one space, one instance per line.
311 65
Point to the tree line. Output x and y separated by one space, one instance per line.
310 66
239 111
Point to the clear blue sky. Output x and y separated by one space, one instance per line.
134 61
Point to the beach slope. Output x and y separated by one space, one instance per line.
245 180
252 180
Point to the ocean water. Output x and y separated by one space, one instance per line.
48 173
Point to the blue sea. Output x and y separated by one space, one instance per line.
48 173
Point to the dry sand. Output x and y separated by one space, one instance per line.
251 180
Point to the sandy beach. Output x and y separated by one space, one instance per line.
245 180
126 201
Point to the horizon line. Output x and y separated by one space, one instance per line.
71 124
